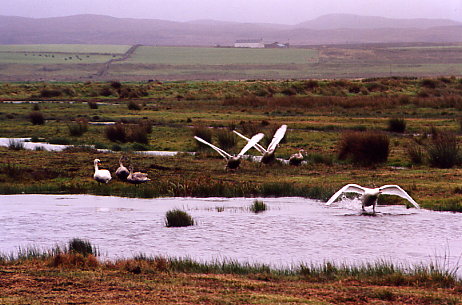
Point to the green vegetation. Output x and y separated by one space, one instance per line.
221 56
96 62
178 218
258 206
68 276
318 113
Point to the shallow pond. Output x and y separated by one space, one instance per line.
291 231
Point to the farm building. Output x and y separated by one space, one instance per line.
277 45
249 43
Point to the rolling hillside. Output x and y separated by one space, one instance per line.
329 29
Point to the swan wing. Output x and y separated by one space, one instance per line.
278 135
398 191
257 146
252 142
349 188
223 153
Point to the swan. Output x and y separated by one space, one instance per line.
296 159
233 162
122 172
137 177
101 175
268 154
370 196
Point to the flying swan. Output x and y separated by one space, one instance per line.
268 154
369 196
233 162
101 175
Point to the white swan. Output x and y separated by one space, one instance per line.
101 175
137 177
297 158
233 162
122 172
268 154
370 196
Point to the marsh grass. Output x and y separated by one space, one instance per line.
226 139
78 127
416 153
443 151
15 144
178 218
366 148
258 206
82 246
36 118
396 125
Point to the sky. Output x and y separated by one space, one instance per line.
270 11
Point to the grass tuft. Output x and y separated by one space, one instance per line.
178 218
258 206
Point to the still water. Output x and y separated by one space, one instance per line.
291 231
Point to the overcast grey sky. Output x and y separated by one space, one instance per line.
273 11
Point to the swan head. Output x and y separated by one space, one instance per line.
96 161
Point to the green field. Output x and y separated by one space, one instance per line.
95 62
66 48
50 58
221 56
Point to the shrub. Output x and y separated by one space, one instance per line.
47 93
258 206
443 151
396 125
81 246
93 105
226 139
78 128
178 218
137 133
415 153
134 106
365 148
429 83
204 133
116 133
36 118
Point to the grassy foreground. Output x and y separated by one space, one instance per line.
59 277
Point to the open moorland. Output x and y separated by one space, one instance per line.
142 63
415 124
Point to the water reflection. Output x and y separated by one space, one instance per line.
292 231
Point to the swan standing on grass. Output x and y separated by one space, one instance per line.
137 177
233 162
122 172
268 154
370 196
101 175
296 159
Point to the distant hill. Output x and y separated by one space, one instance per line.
349 21
329 29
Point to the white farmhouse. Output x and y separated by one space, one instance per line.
249 43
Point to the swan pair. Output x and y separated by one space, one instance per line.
371 195
104 176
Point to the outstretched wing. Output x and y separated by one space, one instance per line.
252 142
258 147
223 153
349 188
398 191
278 135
